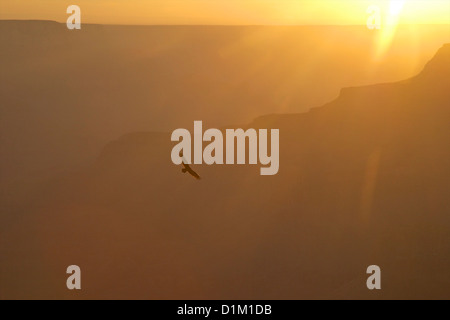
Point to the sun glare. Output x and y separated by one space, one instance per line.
226 12
396 7
387 33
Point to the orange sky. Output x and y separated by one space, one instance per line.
224 11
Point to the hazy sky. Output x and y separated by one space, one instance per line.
224 11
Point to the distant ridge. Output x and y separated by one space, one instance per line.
439 66
436 72
216 25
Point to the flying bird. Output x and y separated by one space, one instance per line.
187 168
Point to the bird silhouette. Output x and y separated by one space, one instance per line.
187 168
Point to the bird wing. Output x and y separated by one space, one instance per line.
188 168
193 173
